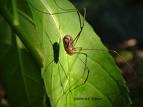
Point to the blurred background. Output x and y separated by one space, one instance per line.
119 23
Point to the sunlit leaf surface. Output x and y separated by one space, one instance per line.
64 80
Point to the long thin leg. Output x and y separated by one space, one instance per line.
45 12
48 65
63 70
59 71
85 67
72 87
69 10
67 78
84 62
81 27
111 51
64 91
51 76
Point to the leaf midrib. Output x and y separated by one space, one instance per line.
53 16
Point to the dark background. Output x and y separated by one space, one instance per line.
117 19
119 23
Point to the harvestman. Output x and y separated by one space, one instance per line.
69 46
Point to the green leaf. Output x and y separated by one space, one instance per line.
105 86
26 32
18 70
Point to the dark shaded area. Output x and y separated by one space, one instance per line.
119 19
56 49
3 97
119 23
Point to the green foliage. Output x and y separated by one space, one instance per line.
19 72
22 58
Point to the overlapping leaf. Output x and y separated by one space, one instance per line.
18 69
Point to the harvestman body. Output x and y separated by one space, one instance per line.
68 44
